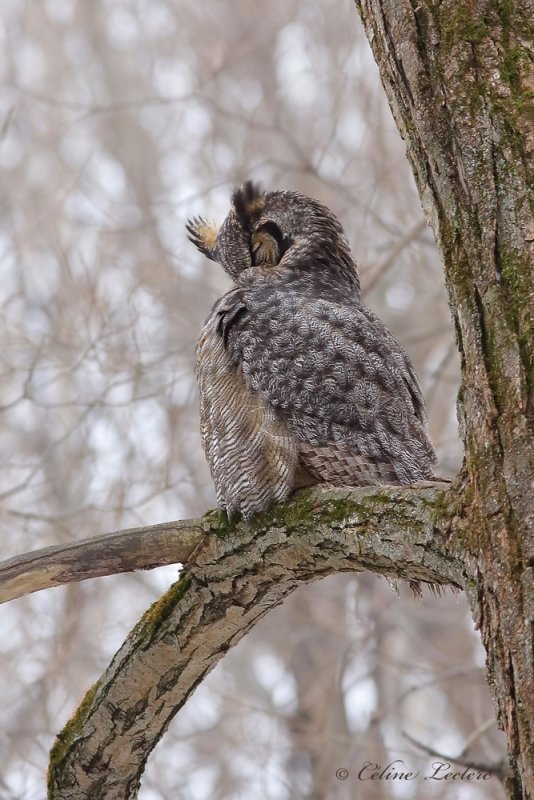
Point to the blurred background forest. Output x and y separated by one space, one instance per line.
119 119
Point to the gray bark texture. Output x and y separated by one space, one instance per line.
459 78
124 551
235 576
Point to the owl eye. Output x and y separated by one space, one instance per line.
268 245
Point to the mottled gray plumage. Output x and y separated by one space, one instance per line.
299 382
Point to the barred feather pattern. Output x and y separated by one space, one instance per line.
252 456
299 382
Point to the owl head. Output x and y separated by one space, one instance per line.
283 230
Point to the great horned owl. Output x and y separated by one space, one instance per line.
299 382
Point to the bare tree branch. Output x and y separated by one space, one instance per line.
498 770
123 551
237 574
112 553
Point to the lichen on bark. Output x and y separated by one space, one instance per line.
232 581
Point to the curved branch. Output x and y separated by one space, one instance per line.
237 574
124 551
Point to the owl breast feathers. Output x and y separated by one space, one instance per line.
299 382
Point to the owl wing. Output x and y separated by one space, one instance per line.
340 382
252 456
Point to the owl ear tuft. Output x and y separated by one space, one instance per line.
248 201
203 235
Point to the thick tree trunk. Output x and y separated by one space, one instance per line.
459 76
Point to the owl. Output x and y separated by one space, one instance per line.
299 382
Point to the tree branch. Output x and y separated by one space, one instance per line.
497 770
236 574
109 554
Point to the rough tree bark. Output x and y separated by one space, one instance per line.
459 78
237 574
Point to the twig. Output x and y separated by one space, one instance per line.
498 770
